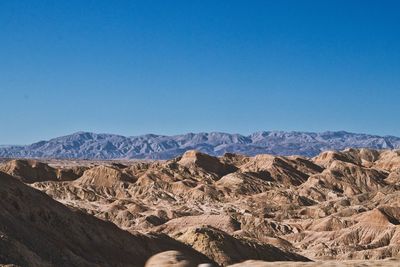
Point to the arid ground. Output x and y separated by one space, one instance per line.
336 209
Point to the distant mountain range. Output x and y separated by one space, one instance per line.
85 145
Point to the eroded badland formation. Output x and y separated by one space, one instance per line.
198 209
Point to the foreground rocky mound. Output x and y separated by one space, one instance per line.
231 209
225 249
35 230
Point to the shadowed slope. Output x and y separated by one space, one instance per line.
35 230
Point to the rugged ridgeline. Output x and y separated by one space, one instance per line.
199 208
106 146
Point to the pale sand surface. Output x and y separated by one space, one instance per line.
366 263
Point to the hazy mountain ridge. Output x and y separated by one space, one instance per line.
85 145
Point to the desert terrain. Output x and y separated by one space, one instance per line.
334 209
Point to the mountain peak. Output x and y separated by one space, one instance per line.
87 145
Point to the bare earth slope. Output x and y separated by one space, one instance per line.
338 207
35 230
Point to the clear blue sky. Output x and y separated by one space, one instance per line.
168 67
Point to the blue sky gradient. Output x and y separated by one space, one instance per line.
169 67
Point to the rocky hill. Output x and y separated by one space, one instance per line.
36 230
85 145
197 208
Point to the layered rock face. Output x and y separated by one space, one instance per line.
200 209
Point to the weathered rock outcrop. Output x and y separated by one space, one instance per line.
336 206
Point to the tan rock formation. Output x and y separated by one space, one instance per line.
338 206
